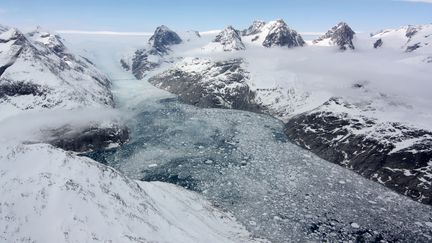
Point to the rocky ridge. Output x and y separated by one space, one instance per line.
145 60
340 35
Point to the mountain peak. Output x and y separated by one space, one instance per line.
255 28
340 35
8 34
230 39
279 34
163 37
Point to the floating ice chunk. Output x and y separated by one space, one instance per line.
355 225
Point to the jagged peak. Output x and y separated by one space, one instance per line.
258 22
9 34
340 35
342 25
279 34
255 28
227 31
230 39
44 37
164 37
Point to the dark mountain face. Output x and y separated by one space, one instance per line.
220 85
145 60
337 137
378 43
254 29
281 35
163 37
340 35
411 31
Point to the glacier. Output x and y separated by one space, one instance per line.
243 163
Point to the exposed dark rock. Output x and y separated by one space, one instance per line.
8 89
378 43
411 31
163 37
340 35
145 60
220 85
413 47
230 39
141 63
41 53
281 35
88 139
338 137
254 29
124 65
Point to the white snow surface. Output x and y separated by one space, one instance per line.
55 77
227 40
402 37
393 83
49 195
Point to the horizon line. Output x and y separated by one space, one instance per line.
126 33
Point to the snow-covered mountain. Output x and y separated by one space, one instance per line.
49 195
154 55
163 38
367 110
295 85
255 28
228 39
394 154
340 35
274 33
209 84
412 39
408 38
37 72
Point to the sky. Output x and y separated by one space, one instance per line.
145 15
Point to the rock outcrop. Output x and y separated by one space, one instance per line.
143 61
340 35
209 84
393 154
279 34
227 40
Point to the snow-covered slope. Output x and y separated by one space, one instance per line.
255 28
48 195
275 33
227 40
340 35
286 82
162 38
409 38
152 56
37 72
206 83
276 189
394 154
